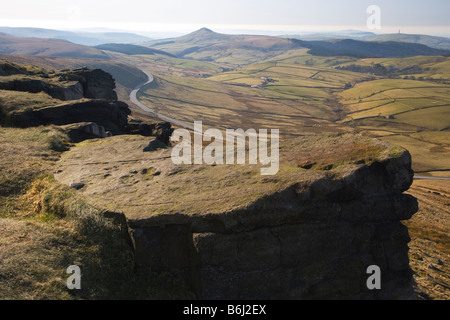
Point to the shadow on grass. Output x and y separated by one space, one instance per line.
102 248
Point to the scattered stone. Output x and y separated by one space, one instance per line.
155 145
78 132
77 185
163 130
438 262
306 165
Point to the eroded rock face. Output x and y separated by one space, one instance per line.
234 234
78 132
68 91
162 130
9 68
112 115
97 84
65 85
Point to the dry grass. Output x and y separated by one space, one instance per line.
32 259
27 154
46 228
429 248
16 100
54 230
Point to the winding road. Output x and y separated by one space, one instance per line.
134 99
431 178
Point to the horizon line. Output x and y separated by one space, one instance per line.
179 28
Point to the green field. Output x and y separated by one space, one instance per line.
224 105
433 67
307 94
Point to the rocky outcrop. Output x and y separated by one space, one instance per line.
68 91
9 68
111 115
162 130
65 85
103 111
78 132
97 84
234 234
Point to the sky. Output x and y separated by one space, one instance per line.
231 16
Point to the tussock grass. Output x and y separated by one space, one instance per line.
96 241
46 228
16 100
27 154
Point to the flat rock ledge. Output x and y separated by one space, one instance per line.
309 232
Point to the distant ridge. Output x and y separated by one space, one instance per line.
204 44
47 47
205 41
322 36
430 41
203 35
207 45
78 37
204 31
131 49
442 43
370 49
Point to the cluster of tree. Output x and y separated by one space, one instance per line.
380 70
412 70
376 69
409 73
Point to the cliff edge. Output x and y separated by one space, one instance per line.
309 232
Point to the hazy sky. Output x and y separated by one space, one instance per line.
411 16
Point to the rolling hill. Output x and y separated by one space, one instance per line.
442 43
208 45
79 37
131 49
322 36
124 73
370 49
47 47
430 41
